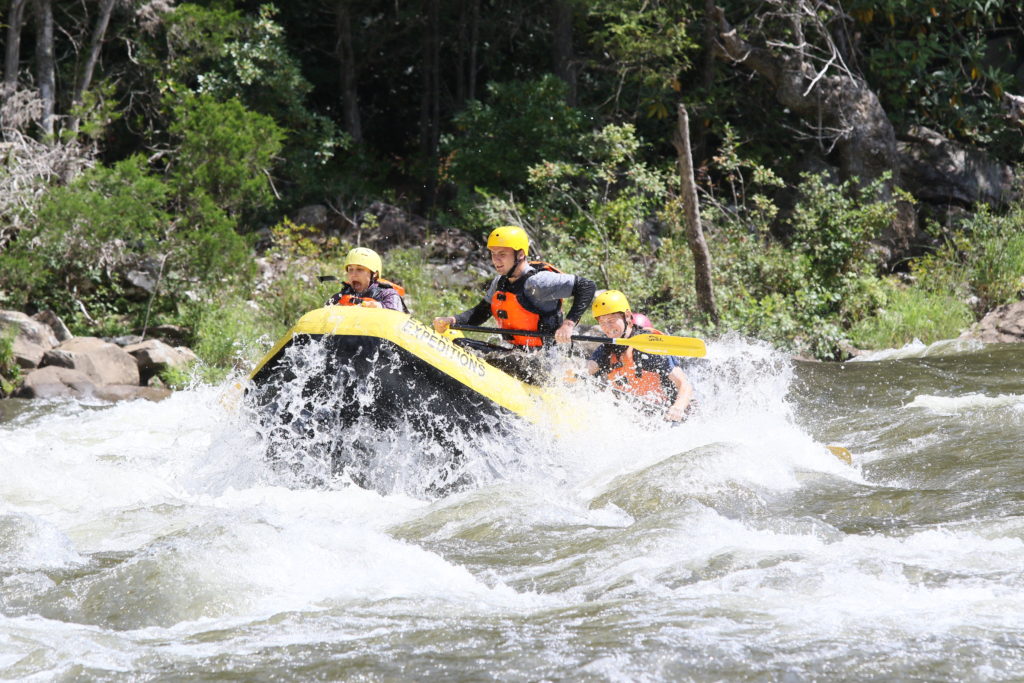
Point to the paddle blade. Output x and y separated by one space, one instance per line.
841 453
665 345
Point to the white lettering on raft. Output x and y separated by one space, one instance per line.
443 346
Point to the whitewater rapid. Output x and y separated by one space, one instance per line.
153 541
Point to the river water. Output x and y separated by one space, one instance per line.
151 541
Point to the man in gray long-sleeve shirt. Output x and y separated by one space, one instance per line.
522 297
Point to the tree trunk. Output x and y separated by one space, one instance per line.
430 123
45 66
347 72
474 42
95 45
562 51
12 56
694 231
707 75
841 107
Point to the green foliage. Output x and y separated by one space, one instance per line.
802 298
10 372
87 235
648 45
602 191
937 64
986 256
910 313
105 218
225 152
229 334
832 224
99 108
226 55
490 149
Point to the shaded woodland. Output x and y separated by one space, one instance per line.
848 158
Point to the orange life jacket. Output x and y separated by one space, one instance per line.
513 310
352 300
388 283
625 375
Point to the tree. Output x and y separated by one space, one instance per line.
15 19
93 55
347 70
46 68
694 231
809 75
562 47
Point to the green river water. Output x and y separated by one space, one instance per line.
150 541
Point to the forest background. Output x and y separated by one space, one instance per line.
194 166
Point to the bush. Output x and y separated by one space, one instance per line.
800 297
10 372
911 313
225 153
488 150
985 258
83 234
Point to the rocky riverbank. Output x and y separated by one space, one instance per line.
54 363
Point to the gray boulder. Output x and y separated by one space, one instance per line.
1001 325
937 170
153 357
32 338
56 382
60 330
124 392
102 362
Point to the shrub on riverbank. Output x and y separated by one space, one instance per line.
909 313
10 373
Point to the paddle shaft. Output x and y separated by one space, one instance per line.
659 344
528 333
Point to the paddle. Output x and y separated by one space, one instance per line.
655 344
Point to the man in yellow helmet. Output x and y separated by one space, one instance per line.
658 380
364 286
524 297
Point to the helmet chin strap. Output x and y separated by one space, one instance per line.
515 265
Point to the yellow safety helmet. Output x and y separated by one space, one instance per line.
367 258
610 301
511 236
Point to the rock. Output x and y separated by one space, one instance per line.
58 358
1002 324
312 215
383 227
125 339
449 275
174 335
939 171
154 356
102 362
32 338
60 330
56 382
142 280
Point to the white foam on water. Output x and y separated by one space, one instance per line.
200 536
952 405
741 391
918 349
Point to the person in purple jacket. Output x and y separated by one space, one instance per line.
364 286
